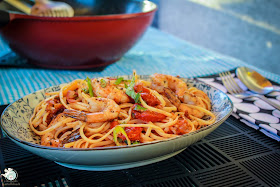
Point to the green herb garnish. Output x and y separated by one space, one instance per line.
140 108
130 91
118 131
103 83
137 98
136 142
89 87
118 81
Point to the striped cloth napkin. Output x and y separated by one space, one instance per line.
253 112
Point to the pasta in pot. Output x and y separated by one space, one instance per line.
106 112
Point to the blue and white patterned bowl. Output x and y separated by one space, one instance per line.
14 122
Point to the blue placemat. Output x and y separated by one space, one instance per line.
155 52
4 49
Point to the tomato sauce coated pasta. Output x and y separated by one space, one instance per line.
106 112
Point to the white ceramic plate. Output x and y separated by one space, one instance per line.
14 122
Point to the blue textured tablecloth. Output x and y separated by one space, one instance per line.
155 52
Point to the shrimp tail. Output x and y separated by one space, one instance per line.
80 115
172 97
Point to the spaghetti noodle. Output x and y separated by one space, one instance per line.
108 112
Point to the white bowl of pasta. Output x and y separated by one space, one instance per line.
115 123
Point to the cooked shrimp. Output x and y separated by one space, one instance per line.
107 89
190 111
74 136
54 107
199 93
191 99
187 96
203 97
182 107
160 81
48 139
101 109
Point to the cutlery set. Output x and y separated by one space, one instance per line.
255 82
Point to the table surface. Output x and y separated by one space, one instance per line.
156 52
233 155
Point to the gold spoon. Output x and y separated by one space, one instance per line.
254 81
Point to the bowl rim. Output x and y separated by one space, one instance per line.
216 123
106 17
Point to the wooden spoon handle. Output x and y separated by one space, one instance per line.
20 5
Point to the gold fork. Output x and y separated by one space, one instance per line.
234 89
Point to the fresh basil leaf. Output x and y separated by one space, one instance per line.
118 81
137 98
130 91
140 108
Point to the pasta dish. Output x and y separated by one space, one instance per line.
105 112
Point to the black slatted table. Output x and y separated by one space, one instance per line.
232 155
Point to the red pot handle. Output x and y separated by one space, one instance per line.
4 18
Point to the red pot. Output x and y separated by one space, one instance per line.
76 42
